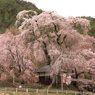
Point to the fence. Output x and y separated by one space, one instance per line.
46 91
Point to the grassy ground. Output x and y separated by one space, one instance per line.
32 86
35 86
29 93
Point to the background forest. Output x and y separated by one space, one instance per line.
9 10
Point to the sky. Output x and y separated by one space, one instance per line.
67 7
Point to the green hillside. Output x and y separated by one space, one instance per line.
9 10
92 23
91 31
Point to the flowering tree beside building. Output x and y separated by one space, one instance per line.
14 61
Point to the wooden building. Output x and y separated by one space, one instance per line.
44 75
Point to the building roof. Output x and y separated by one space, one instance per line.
44 69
